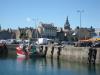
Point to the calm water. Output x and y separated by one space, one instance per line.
25 66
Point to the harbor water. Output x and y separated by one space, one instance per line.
44 66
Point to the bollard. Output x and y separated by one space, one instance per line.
45 52
92 55
52 51
58 52
41 49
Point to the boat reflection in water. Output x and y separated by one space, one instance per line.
45 66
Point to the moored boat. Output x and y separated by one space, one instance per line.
20 51
29 51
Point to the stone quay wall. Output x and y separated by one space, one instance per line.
68 53
12 50
73 54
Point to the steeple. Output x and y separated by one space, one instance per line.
67 25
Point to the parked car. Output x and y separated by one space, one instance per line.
11 41
97 44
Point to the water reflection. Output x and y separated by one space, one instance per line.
58 63
45 66
3 54
92 69
52 62
40 63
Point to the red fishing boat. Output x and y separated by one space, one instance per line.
29 51
21 51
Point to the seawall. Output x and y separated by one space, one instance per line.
73 54
12 50
68 53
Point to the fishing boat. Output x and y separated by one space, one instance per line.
36 51
29 51
20 51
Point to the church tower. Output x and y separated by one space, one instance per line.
67 25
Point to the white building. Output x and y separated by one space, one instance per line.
97 31
47 30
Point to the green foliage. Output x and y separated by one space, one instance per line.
23 35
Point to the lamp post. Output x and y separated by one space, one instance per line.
80 12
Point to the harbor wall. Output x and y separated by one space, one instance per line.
74 54
12 50
68 53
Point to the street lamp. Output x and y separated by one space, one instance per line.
80 12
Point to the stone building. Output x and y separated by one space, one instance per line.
7 34
84 33
97 31
26 33
47 30
60 34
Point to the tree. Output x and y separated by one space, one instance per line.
23 35
77 27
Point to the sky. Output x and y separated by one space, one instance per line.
27 13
